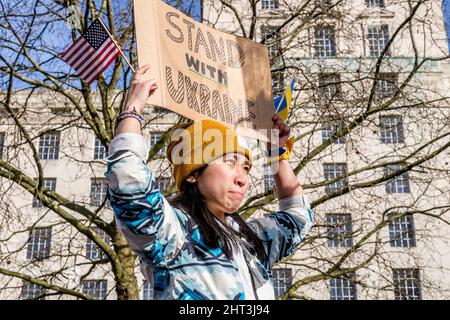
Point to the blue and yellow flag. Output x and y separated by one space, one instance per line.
283 102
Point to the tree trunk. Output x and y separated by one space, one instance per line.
127 287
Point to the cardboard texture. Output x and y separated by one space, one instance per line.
203 72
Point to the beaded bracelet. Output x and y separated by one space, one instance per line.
130 114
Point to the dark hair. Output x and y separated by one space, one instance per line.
214 232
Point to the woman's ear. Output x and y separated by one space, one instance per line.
192 178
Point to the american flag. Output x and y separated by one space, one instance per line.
92 52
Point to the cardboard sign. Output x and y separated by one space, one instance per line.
202 72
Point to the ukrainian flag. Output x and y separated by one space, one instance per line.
283 102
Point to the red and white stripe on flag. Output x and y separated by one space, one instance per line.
91 53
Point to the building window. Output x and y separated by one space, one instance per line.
407 284
49 146
32 291
278 84
93 251
163 183
282 280
401 232
99 190
329 86
391 129
148 291
332 171
386 85
2 143
39 243
398 184
375 3
325 42
378 37
343 288
95 288
99 150
272 38
330 127
154 138
49 184
339 230
269 4
269 182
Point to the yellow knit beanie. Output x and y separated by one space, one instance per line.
193 145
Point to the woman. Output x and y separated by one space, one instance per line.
198 247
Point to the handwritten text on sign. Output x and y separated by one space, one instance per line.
204 72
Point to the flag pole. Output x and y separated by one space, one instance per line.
117 46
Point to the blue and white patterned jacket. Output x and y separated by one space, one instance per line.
173 255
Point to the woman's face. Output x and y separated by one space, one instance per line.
224 183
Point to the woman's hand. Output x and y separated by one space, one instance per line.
140 90
284 130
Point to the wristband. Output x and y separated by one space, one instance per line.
282 153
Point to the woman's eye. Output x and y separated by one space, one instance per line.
230 161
